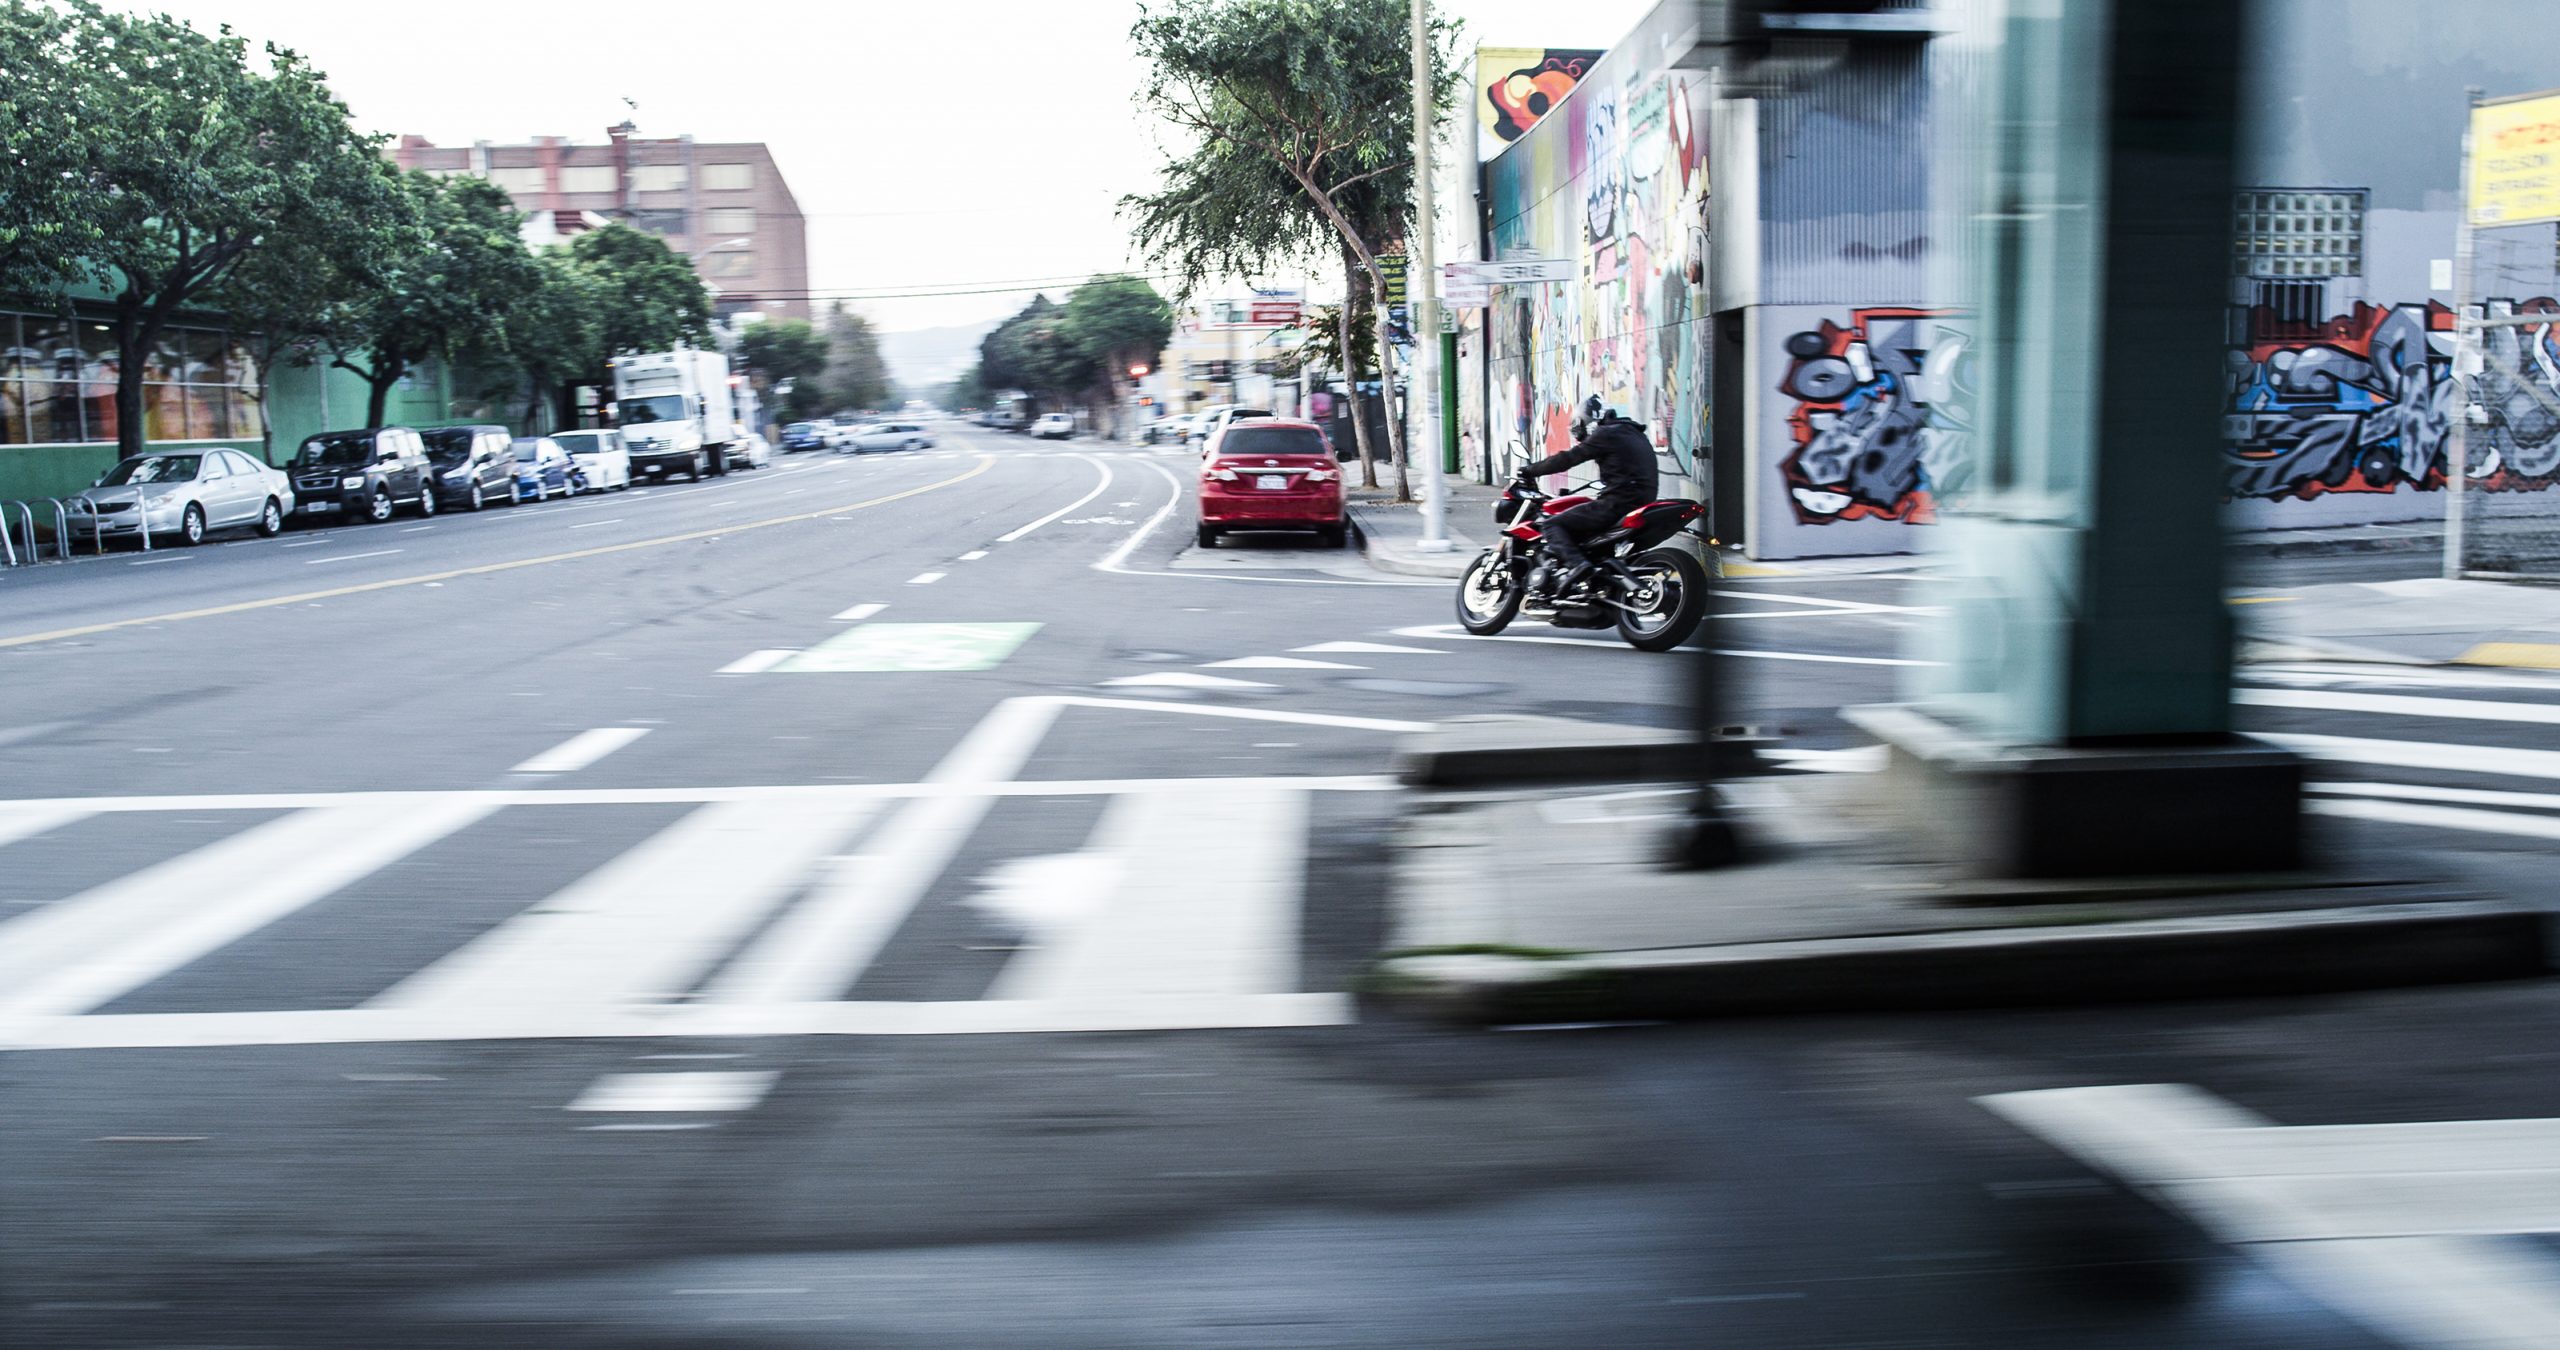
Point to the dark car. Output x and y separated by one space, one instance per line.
362 475
474 465
804 436
543 466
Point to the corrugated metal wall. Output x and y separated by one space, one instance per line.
1844 183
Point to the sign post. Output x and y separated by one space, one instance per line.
1424 425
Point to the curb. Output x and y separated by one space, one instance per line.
2143 960
1443 567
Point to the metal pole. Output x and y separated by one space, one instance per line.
1422 291
2466 352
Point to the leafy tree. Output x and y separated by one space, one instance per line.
653 300
1112 323
787 349
969 390
1319 90
555 334
1034 352
453 296
170 160
856 377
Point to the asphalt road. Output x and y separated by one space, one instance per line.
607 923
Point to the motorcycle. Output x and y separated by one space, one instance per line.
1655 596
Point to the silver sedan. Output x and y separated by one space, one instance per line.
182 497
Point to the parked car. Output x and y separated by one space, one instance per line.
750 451
805 436
362 475
604 463
182 497
1176 428
542 468
1272 474
1053 427
1212 426
889 436
470 465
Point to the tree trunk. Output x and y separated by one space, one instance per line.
378 384
135 330
1350 326
1387 385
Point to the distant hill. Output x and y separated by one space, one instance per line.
921 359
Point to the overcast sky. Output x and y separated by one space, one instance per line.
931 144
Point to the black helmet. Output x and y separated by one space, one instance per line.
1594 412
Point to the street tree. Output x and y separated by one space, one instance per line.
967 390
453 295
780 350
180 157
555 335
1033 351
855 376
1320 90
654 301
1113 322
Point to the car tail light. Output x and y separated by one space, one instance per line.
1322 475
1223 475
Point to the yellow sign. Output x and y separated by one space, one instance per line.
2515 161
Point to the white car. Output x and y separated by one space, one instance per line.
1053 427
177 498
889 436
750 452
603 461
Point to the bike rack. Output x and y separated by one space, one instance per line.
27 524
11 555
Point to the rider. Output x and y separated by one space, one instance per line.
1628 479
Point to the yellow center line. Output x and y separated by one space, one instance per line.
985 462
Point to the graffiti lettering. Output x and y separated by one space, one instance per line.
1877 427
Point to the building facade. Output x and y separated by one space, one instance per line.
723 205
1754 277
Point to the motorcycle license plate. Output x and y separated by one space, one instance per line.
1272 482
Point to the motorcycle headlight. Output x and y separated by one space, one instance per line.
352 482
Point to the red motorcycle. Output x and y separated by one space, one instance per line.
1654 595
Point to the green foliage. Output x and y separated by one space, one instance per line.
1320 339
158 162
653 300
856 377
968 391
555 333
451 296
783 349
1079 350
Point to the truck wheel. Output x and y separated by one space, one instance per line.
719 463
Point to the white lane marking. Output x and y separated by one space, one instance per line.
1450 632
417 529
581 750
2394 1225
1202 900
349 557
2418 792
1818 602
1103 481
814 951
859 613
591 524
1178 679
926 578
306 543
1277 663
1376 648
163 558
1856 759
93 948
2440 817
787 792
2414 677
26 822
2400 705
971 1017
753 662
973 555
2421 754
701 1090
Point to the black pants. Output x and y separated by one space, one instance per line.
1565 530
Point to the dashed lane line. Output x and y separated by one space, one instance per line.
985 462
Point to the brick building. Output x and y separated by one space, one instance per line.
724 205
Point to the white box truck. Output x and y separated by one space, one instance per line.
675 412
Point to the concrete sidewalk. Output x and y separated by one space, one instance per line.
1390 533
2422 620
1533 905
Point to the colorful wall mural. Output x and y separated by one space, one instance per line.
1515 86
1617 182
1875 416
2364 403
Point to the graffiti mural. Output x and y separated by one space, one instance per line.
1515 86
1878 427
2365 402
1617 182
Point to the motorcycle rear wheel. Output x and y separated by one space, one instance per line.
1670 605
1488 595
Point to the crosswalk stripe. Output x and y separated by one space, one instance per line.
1203 901
646 926
2442 817
19 821
2400 705
97 946
2421 754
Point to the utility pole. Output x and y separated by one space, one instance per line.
1422 293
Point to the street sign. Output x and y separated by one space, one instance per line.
1391 267
2515 161
1512 272
1460 295
1276 308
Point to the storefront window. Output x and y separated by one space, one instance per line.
53 379
58 383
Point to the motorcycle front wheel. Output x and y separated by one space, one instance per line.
1488 595
1669 600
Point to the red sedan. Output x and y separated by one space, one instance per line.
1271 474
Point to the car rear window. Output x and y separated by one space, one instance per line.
1245 440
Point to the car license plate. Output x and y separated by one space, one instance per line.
1271 482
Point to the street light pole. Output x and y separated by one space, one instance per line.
1422 290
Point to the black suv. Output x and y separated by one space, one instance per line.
363 475
472 465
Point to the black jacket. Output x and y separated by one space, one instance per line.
1628 471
